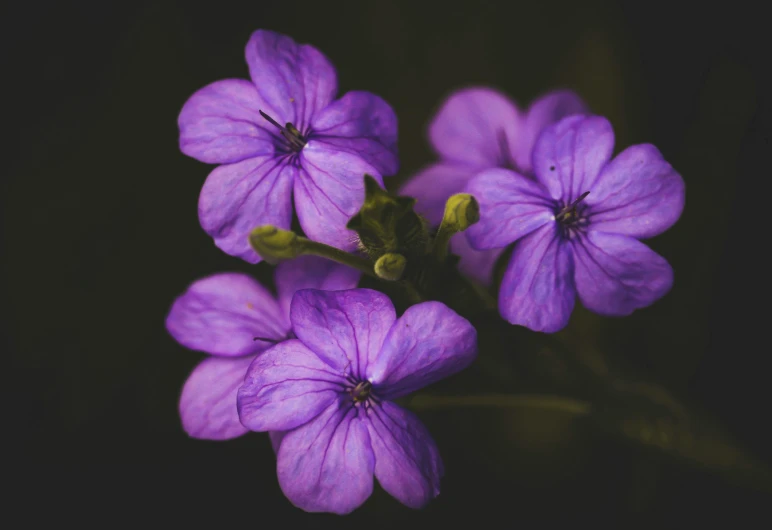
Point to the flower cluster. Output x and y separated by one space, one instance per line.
319 365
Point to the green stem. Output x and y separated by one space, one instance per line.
325 251
533 401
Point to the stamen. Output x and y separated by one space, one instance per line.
289 132
568 213
361 392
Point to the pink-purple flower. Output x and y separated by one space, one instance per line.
331 389
476 129
233 318
283 135
577 225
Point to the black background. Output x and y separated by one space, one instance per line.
100 233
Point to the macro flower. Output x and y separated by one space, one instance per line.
578 225
283 135
233 318
476 129
332 388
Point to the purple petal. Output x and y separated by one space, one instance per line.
475 264
637 194
478 126
311 272
569 155
537 290
295 80
238 197
345 328
208 401
219 123
329 191
433 185
427 343
511 206
545 111
407 462
616 274
285 387
222 314
327 464
361 124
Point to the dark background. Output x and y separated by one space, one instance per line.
100 233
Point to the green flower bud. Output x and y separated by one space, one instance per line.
274 244
390 266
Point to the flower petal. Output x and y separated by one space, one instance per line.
362 124
295 80
537 290
238 197
545 111
475 264
327 464
637 194
223 313
511 206
208 401
478 126
433 185
344 328
616 274
427 343
569 155
285 387
329 191
407 462
219 123
311 272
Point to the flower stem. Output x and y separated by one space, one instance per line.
335 254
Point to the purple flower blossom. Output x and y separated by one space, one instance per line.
223 315
578 225
332 387
282 135
477 129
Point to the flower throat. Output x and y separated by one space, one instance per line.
295 140
571 216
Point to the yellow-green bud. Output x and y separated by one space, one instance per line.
461 211
274 244
390 266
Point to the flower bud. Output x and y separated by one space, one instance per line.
390 266
274 244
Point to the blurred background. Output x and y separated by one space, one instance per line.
100 234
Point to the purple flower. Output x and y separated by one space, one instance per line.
332 387
284 134
477 129
578 225
234 318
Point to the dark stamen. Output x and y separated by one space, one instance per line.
273 122
361 392
289 132
568 213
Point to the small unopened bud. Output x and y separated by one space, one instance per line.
461 211
274 244
390 266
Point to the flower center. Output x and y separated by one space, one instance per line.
360 392
572 216
293 140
